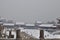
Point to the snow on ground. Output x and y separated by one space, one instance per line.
35 33
47 35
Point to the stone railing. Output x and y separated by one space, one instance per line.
7 39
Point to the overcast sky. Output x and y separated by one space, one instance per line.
30 10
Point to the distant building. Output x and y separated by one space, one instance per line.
8 25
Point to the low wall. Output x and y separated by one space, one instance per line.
7 39
52 39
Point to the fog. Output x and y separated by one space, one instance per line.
30 10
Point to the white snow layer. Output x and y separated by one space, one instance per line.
36 33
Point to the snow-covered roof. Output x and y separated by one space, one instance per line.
1 22
47 25
48 35
30 24
20 23
8 24
38 22
58 24
58 18
58 31
2 18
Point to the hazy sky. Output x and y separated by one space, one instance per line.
30 10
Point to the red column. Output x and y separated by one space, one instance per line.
41 34
18 37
